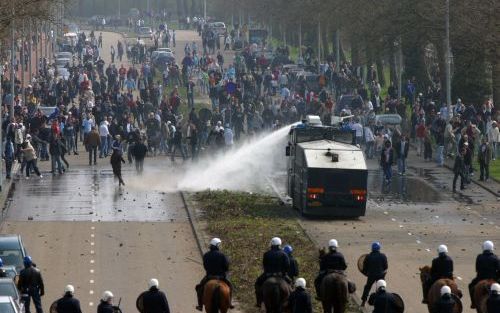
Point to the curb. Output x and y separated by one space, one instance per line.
8 188
192 222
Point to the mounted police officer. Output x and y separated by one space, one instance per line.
68 303
275 262
216 265
446 303
375 266
383 301
31 285
294 266
106 305
155 300
442 267
493 302
300 300
332 261
487 267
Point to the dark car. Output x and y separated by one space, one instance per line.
351 102
163 58
12 251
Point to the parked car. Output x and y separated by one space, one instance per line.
218 27
8 288
12 251
350 102
166 50
144 32
63 73
163 58
63 62
64 55
9 305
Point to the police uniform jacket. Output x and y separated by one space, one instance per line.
487 265
30 278
155 301
215 263
493 303
333 260
442 267
105 307
300 301
276 261
445 304
293 271
383 302
68 304
375 264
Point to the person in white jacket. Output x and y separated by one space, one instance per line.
494 138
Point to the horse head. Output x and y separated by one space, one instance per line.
425 273
322 252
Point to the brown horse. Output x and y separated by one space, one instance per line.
435 291
481 293
275 293
334 293
216 296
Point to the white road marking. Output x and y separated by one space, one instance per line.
91 251
91 281
91 303
93 227
91 271
91 261
393 219
92 235
91 292
92 243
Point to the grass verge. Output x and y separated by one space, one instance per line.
246 222
494 168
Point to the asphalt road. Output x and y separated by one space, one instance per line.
411 218
81 229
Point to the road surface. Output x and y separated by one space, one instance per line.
81 229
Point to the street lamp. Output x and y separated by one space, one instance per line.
205 10
448 58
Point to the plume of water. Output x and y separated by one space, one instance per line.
243 168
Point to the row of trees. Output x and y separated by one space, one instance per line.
369 30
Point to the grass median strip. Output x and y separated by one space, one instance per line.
246 223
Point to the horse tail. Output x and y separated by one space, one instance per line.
276 297
215 299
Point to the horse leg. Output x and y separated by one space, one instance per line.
327 307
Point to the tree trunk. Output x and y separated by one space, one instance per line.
380 72
495 77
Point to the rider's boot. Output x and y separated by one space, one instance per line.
231 306
199 296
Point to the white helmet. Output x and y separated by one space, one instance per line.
215 242
107 295
495 288
380 284
333 243
488 246
69 289
442 249
276 241
445 290
153 282
300 282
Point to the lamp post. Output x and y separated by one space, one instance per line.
448 59
205 10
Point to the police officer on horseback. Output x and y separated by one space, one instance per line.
216 265
442 267
275 262
375 266
487 267
294 266
300 300
493 302
383 301
332 261
68 303
446 303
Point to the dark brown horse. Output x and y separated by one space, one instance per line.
481 293
334 293
216 296
275 293
435 291
334 290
